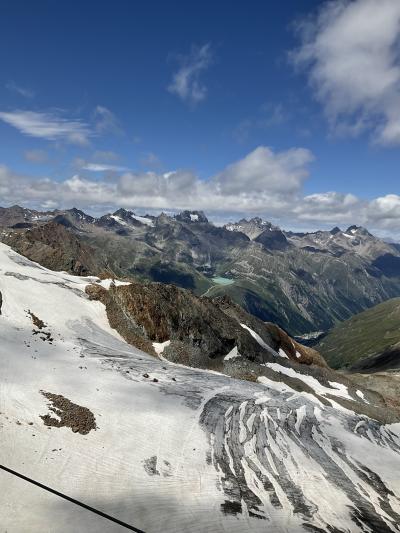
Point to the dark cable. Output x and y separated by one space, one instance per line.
72 500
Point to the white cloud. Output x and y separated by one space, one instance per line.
385 209
100 167
263 171
53 126
330 207
350 49
264 183
263 180
49 126
186 81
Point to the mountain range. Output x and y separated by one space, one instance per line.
303 282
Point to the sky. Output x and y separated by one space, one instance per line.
285 110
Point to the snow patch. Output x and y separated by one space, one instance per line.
159 347
300 414
232 354
107 283
282 353
338 389
119 220
360 394
257 337
143 220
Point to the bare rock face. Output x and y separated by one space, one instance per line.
16 215
55 247
119 319
279 339
192 216
201 331
296 351
158 312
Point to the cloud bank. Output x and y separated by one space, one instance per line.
264 183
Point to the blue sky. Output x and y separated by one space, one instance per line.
171 105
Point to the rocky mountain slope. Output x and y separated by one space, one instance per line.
194 331
303 282
369 341
168 448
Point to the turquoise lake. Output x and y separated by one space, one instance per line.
223 281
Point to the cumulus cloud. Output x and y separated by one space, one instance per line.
49 126
265 171
186 81
351 52
264 183
262 180
385 209
330 207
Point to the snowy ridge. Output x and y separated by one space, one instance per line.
175 449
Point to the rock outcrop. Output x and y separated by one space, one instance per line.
55 247
201 332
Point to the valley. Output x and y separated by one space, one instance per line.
304 282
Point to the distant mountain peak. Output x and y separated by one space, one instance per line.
335 230
257 221
358 230
122 211
252 227
191 216
125 216
78 213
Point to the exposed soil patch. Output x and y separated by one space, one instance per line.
150 465
40 328
36 320
79 419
